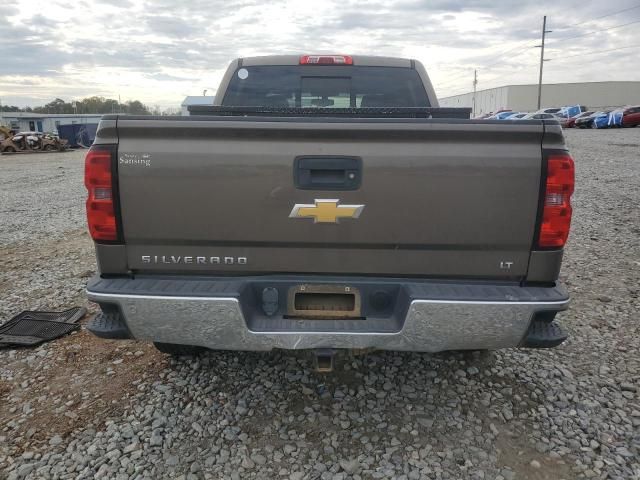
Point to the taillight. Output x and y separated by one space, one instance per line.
101 215
326 60
556 213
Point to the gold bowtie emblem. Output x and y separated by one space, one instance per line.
325 211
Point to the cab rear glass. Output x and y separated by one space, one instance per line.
325 87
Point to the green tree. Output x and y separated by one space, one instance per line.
56 106
9 108
93 104
135 107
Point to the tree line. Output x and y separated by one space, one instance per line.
90 105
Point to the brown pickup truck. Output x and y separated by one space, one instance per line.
326 202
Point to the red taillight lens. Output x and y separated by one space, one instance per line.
556 213
326 60
101 215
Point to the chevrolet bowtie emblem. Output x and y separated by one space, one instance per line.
325 211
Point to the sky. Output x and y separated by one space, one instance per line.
160 51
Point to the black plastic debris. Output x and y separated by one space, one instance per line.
33 328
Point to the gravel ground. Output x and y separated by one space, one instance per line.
82 408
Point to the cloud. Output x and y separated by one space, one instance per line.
161 50
170 26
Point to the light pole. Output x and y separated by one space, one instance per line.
541 46
475 84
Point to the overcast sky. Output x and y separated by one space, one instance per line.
162 50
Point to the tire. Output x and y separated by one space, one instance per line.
10 150
178 350
48 148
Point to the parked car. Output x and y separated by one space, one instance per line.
516 116
569 111
588 121
549 110
541 116
571 121
609 119
631 116
32 141
501 115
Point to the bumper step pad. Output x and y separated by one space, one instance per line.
544 334
28 329
109 325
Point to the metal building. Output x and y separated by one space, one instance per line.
45 122
524 98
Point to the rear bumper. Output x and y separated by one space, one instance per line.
224 314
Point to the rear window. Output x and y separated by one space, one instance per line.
325 87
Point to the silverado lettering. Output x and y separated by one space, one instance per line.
199 260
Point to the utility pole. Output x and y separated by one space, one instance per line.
541 46
475 85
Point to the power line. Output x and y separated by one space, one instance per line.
596 52
496 58
505 83
598 31
451 80
519 47
598 18
459 75
500 61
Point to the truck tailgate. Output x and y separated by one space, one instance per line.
438 198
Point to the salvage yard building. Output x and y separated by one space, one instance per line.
45 122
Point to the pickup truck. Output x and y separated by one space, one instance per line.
326 202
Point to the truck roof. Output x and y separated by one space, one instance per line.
362 60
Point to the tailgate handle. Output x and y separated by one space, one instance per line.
327 173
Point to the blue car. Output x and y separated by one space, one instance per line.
607 119
501 115
570 111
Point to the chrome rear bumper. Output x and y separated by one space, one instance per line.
429 324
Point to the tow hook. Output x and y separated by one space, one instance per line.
324 359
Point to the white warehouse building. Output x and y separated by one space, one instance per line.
524 98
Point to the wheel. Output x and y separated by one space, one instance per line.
593 125
10 150
178 350
48 148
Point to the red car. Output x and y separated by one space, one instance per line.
631 117
571 122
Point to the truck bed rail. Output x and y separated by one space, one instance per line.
367 112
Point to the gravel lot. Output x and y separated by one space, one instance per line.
83 408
